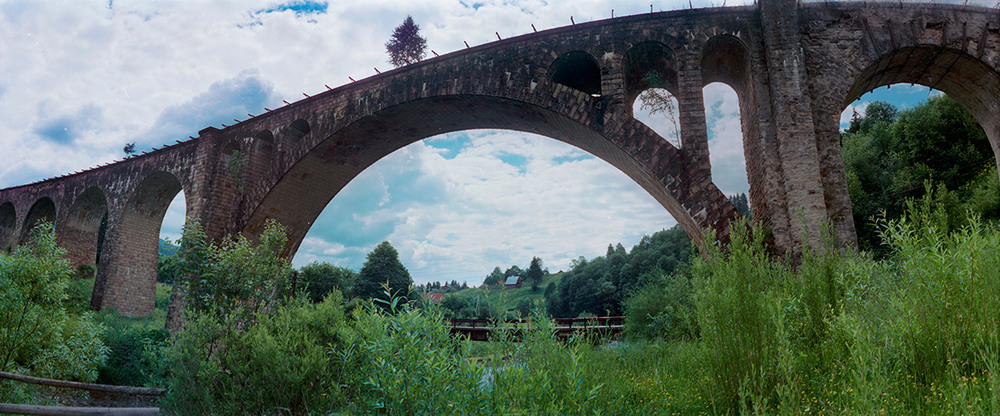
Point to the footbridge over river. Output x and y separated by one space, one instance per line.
794 67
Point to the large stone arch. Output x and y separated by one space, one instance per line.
126 275
726 59
301 194
78 230
971 82
42 210
8 225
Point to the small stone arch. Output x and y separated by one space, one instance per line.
78 232
126 276
264 139
726 59
8 224
578 70
640 60
299 129
261 153
42 210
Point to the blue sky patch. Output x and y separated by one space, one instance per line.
65 128
902 96
301 7
452 144
515 160
899 95
59 130
572 158
474 5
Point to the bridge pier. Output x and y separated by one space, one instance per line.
797 192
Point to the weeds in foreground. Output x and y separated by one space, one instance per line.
916 333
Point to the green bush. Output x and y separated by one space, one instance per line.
37 335
128 363
408 363
662 308
280 365
318 279
949 300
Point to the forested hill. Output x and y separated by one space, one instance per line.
599 286
167 248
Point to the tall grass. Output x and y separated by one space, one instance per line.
914 333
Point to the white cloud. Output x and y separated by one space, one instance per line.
848 114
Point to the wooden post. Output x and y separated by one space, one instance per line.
29 409
83 386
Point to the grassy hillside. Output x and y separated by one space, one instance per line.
499 298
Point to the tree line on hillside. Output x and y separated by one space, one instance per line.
600 286
439 287
317 279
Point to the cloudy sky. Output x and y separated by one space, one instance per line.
79 79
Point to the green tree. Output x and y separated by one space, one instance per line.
406 46
741 203
601 285
129 149
235 280
36 333
890 154
319 279
513 271
535 273
657 100
382 267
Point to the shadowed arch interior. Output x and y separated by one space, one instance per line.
299 129
968 80
640 60
78 231
261 154
8 224
335 161
578 70
127 275
43 210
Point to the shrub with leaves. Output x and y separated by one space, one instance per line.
236 278
36 333
662 308
740 310
949 302
278 366
405 361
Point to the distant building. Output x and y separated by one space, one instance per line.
513 282
432 297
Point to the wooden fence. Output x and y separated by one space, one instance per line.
481 329
27 409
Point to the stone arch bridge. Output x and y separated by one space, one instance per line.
794 67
